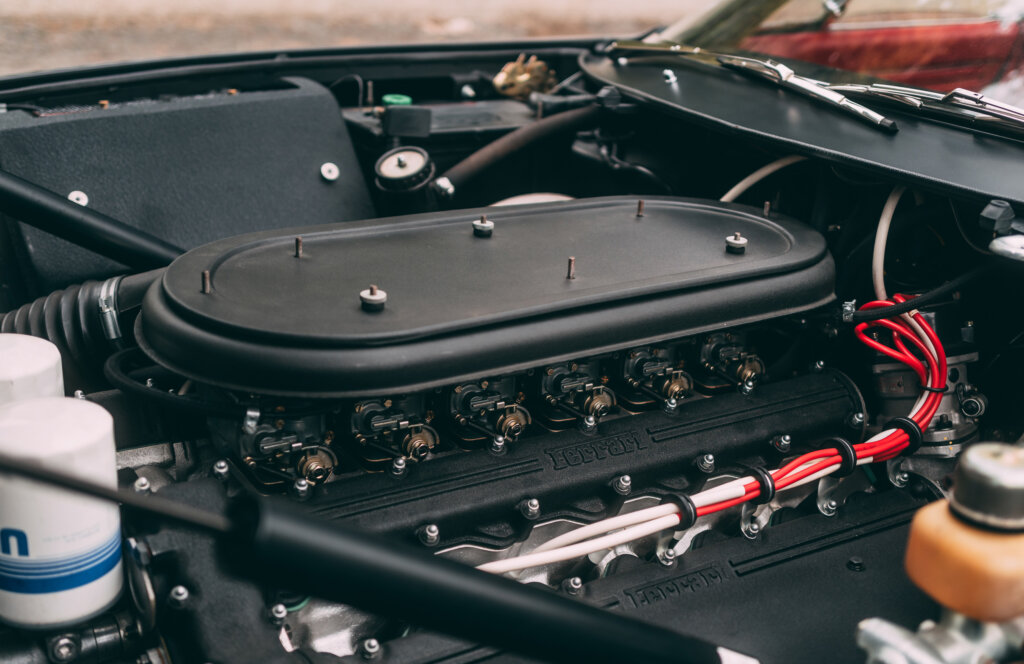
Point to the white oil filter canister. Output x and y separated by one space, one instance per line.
29 368
60 552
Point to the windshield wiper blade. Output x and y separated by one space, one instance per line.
960 105
783 76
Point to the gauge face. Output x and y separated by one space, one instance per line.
403 168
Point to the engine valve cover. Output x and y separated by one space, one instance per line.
275 319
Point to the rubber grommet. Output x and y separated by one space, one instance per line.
912 430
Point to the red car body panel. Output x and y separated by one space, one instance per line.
939 56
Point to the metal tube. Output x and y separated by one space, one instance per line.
45 210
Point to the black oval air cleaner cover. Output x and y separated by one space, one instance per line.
461 306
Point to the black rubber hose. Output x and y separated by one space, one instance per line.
45 210
74 321
923 299
295 550
476 163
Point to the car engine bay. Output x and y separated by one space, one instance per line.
671 358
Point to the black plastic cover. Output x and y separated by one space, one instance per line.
461 306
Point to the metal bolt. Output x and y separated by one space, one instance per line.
573 585
483 227
571 272
370 648
467 91
855 564
767 210
747 388
177 597
205 283
64 649
301 488
221 469
829 507
819 365
498 445
78 197
79 394
298 247
589 423
782 443
669 76
640 208
401 162
278 614
706 463
373 298
736 243
623 485
398 466
142 485
670 405
329 171
530 508
903 478
667 557
856 420
430 535
752 529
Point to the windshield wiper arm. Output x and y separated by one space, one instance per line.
785 77
770 70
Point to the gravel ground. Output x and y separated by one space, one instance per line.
49 34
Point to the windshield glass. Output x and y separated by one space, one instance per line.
934 44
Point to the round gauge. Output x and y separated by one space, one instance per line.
404 169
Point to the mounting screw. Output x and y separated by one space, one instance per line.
856 420
570 273
623 485
573 585
398 466
204 285
177 597
373 298
855 564
142 485
301 488
430 534
829 507
79 394
667 557
221 469
669 76
530 508
329 171
819 365
64 648
670 405
751 530
370 648
782 443
747 387
78 197
706 463
640 208
498 445
736 243
298 247
278 614
483 227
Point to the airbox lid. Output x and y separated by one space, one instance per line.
459 305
